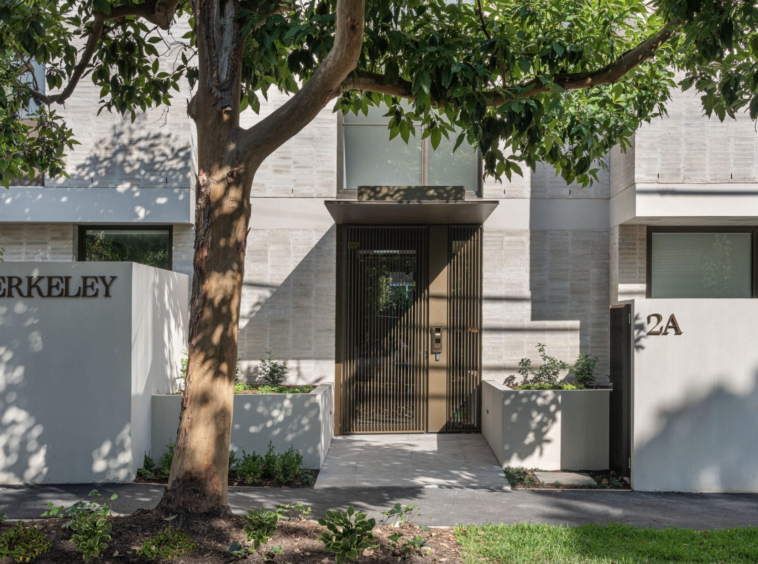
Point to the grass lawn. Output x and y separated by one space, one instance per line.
606 544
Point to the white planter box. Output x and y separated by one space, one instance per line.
546 429
304 421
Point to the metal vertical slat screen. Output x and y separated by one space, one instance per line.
464 328
384 287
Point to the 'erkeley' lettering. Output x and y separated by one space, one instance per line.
56 286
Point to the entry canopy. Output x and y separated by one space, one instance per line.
417 205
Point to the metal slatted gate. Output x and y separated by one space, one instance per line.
385 312
464 328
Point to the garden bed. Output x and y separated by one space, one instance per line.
524 478
298 541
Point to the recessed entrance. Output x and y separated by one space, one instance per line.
409 340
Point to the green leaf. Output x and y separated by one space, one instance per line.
102 6
436 137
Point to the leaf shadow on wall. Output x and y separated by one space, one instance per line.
296 318
708 443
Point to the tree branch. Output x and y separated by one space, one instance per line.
160 13
262 139
373 82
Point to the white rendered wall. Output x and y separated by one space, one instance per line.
76 374
695 402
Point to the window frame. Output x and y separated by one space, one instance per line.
651 229
82 229
477 192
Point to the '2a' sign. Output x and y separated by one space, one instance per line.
659 329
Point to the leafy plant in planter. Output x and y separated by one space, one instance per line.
271 371
348 533
547 373
584 370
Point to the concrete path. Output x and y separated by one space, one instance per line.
440 506
411 460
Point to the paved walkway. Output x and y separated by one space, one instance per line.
440 506
412 460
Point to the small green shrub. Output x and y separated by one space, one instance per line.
242 388
260 526
166 460
24 543
271 464
584 369
556 386
249 469
169 544
271 371
290 465
306 478
147 472
91 528
518 476
348 533
547 373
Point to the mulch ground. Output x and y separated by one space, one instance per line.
298 540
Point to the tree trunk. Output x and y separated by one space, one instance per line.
199 474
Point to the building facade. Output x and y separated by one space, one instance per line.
673 218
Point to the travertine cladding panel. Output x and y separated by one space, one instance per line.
38 242
622 168
152 152
288 302
544 287
544 184
687 147
628 262
183 250
306 165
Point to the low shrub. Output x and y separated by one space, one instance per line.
272 464
584 369
556 386
348 533
169 544
242 388
24 543
161 471
249 469
290 465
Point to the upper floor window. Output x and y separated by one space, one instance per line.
700 262
150 246
369 158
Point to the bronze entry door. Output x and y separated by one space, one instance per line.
409 363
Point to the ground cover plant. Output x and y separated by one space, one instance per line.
243 388
146 536
525 478
605 544
545 376
245 469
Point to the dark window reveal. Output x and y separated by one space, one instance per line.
150 246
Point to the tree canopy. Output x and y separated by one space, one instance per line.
558 81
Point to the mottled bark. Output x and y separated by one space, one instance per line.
227 160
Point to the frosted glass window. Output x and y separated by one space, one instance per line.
701 265
371 159
447 168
